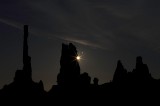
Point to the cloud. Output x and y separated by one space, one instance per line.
39 33
11 23
73 20
84 42
96 23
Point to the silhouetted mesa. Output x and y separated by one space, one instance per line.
138 77
141 72
120 73
70 70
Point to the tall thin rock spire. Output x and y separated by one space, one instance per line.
25 45
26 59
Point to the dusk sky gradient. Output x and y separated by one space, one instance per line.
103 31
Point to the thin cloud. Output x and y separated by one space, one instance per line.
49 35
12 23
84 42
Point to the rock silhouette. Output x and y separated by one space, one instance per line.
70 69
120 73
23 85
74 86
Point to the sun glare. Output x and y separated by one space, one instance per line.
78 57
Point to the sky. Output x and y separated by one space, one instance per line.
104 31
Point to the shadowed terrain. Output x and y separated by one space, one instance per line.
76 87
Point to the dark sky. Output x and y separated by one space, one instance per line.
103 31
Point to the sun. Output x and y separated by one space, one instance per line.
78 57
